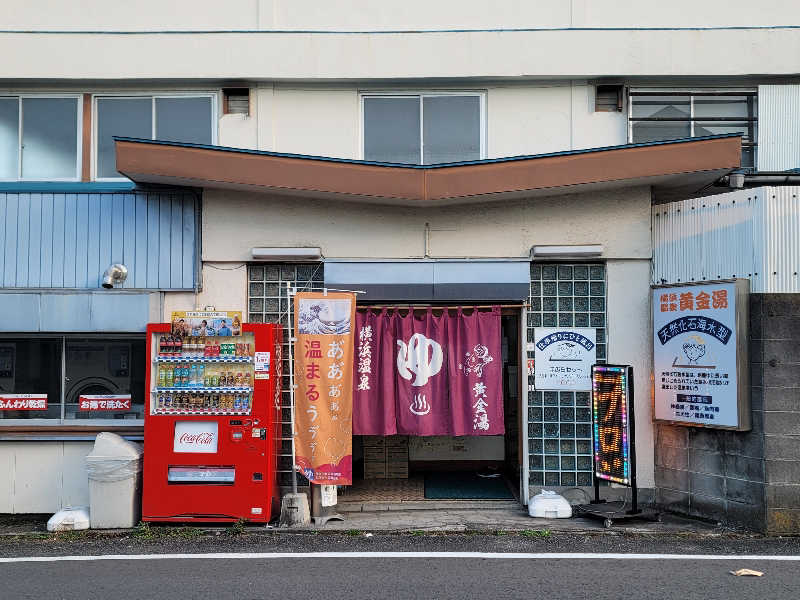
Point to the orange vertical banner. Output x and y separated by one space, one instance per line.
323 372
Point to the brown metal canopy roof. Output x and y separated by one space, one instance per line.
674 169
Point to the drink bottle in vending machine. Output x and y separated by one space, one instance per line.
212 428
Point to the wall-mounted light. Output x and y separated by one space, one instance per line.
585 251
116 273
288 254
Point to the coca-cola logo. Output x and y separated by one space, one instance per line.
203 439
196 437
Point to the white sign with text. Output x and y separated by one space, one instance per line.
261 365
564 357
23 401
196 437
694 354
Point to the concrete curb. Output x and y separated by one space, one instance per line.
541 530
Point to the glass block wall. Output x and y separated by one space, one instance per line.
560 423
268 302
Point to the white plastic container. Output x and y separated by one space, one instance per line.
549 505
69 519
115 473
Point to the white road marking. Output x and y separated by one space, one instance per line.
473 555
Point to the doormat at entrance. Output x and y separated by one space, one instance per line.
465 486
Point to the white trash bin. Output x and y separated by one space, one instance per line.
115 474
549 505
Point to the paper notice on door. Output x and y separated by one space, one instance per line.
261 365
328 495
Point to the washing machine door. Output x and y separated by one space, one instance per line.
98 366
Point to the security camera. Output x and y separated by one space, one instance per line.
116 273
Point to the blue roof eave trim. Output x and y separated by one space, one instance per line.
432 166
66 187
384 31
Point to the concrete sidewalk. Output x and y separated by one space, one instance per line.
429 517
491 516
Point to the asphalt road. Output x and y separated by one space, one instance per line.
146 566
398 578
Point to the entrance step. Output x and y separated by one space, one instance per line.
378 506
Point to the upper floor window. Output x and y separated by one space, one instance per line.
424 128
669 115
182 118
39 137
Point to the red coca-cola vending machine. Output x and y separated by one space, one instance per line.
212 427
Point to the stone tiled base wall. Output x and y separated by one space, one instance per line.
779 394
752 478
712 474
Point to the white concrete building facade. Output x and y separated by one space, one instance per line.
317 79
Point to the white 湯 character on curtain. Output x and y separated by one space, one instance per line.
482 422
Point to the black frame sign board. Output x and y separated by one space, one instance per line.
614 435
612 417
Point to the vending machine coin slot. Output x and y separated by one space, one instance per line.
237 435
258 477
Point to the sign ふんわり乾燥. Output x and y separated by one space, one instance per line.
23 401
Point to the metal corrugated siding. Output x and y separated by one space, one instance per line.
778 127
782 249
754 234
67 240
704 238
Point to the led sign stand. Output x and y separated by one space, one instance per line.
614 435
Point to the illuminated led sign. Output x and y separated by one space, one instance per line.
612 417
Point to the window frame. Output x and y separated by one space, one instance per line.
153 96
62 422
363 95
690 94
20 129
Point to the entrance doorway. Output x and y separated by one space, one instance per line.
431 468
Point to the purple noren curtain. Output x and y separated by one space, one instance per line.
427 374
